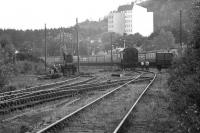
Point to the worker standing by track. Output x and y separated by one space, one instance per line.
142 65
147 65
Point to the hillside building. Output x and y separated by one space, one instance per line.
131 19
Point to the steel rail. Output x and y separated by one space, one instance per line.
59 88
52 126
56 92
21 94
25 102
36 87
133 106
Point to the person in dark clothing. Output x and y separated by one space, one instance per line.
159 67
142 65
54 69
147 65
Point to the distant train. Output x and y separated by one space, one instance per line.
128 58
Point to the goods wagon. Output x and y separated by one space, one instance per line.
164 59
99 60
130 58
126 59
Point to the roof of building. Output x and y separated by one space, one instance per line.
125 7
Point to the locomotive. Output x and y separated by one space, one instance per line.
68 67
130 58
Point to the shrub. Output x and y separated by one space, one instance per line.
184 79
26 67
184 83
6 71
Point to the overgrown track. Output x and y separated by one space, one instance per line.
38 97
23 100
122 126
36 89
67 121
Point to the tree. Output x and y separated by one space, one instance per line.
184 80
106 40
132 40
106 37
7 50
196 25
6 54
165 40
83 48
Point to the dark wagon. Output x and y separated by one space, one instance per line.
130 58
164 59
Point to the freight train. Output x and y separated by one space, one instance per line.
128 58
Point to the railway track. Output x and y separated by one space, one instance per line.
36 88
47 87
28 100
99 115
24 100
122 126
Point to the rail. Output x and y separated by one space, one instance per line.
126 116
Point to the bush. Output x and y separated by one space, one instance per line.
6 71
184 78
26 67
184 83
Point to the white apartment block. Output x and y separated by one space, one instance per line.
116 22
131 19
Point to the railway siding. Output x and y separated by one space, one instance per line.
153 115
104 115
107 114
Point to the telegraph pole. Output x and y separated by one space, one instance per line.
63 37
111 49
181 29
60 42
77 44
45 41
124 44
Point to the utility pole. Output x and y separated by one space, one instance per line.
77 44
45 41
61 43
124 44
63 37
181 29
111 49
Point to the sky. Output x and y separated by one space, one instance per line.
33 14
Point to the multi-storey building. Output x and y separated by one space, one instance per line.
131 19
116 22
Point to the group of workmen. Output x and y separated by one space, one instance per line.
145 65
54 69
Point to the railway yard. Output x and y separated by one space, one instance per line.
96 102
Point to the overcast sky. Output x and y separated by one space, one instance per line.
33 14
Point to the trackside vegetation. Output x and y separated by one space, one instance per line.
184 80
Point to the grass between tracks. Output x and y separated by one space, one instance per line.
152 114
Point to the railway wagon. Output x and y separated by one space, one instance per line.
164 59
130 58
99 60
